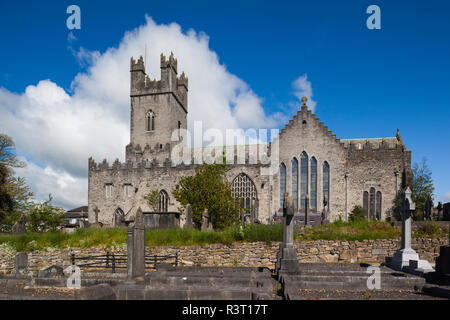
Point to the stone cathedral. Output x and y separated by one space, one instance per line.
329 174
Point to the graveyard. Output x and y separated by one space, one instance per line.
140 273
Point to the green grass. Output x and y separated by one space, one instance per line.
430 229
351 231
113 237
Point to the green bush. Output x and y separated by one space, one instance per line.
358 214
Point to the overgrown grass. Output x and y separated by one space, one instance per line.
351 231
114 237
430 229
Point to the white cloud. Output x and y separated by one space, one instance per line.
447 196
303 88
60 131
67 191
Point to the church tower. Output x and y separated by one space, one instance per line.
158 108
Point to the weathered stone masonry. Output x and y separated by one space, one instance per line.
248 254
365 172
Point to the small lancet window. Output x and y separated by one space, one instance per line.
150 120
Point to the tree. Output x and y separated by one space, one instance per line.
422 187
209 189
153 199
15 195
8 157
45 217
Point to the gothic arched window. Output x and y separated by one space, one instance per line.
244 189
372 203
282 183
366 202
303 179
313 196
163 201
326 182
295 182
150 120
378 206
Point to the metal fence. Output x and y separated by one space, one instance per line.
115 261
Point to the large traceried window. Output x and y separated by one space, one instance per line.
372 203
303 179
295 182
313 196
282 183
326 182
163 205
150 120
244 189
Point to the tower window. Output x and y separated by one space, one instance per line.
150 120
127 190
109 190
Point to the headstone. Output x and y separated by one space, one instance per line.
96 211
20 226
306 209
136 247
51 271
440 210
428 208
405 254
287 261
21 263
442 274
188 215
206 223
324 215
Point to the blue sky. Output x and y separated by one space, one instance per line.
366 83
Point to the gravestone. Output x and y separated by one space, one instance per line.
306 209
287 261
188 214
406 256
20 226
51 271
136 247
206 224
440 210
428 208
21 263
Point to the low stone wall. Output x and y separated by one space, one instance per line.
247 254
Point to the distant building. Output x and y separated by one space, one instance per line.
76 218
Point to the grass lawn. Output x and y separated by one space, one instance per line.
111 237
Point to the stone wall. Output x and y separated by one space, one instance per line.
257 254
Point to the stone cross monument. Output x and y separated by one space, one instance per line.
406 256
188 214
136 247
306 209
287 261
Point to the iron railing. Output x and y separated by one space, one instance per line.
115 261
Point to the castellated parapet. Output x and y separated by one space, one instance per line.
141 84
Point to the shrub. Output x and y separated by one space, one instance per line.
358 214
44 217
